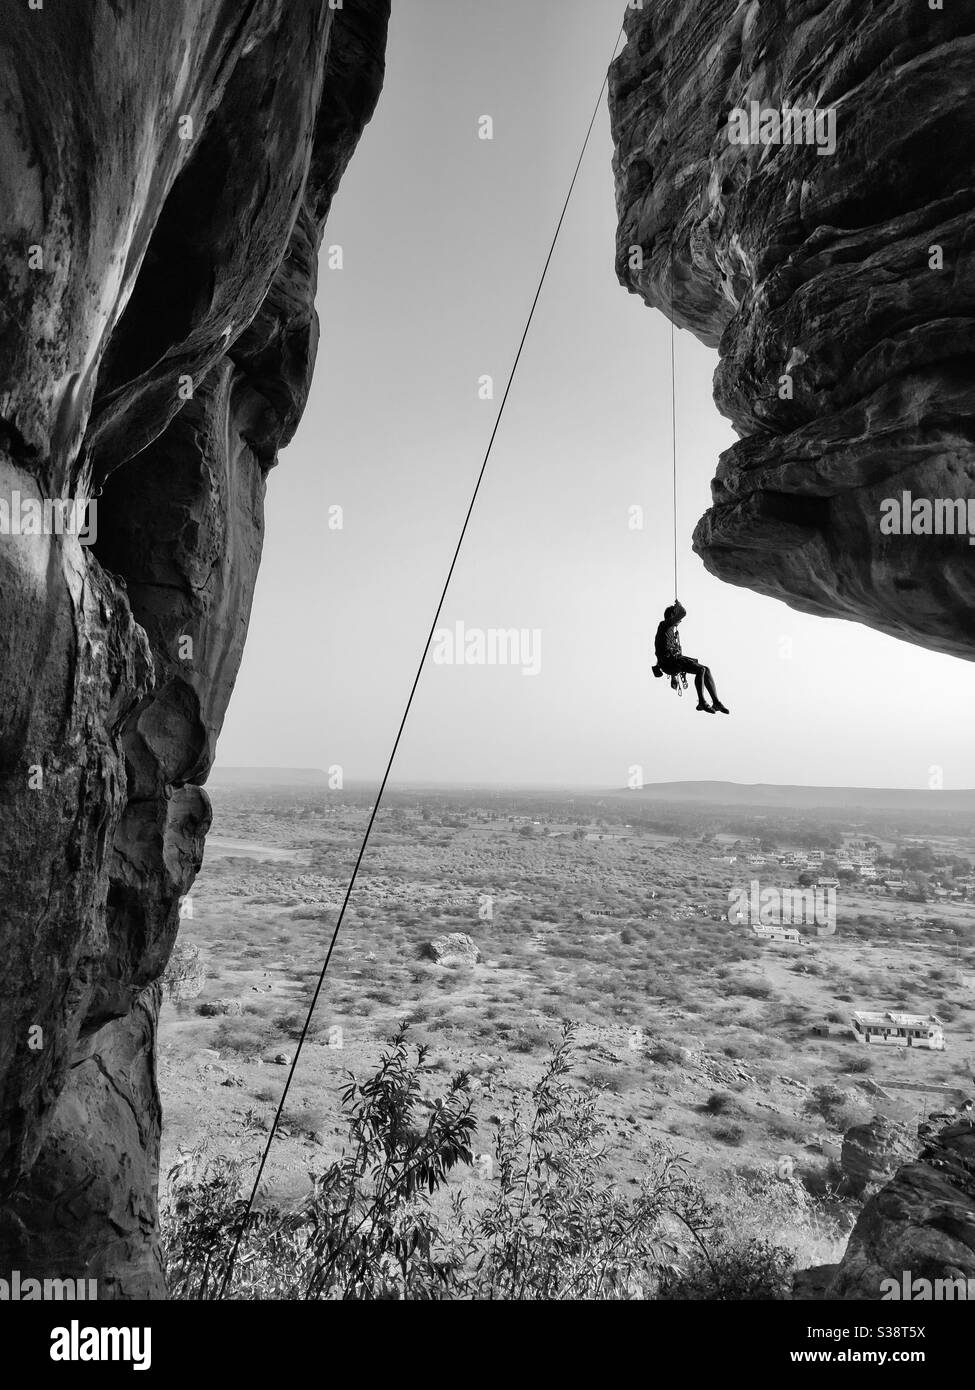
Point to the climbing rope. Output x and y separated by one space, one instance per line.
416 681
673 406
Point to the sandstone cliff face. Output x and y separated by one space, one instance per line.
165 174
820 268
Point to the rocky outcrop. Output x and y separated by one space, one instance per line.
920 1226
165 174
456 948
873 1152
835 278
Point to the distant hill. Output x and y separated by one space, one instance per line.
772 795
267 777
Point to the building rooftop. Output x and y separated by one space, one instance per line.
897 1020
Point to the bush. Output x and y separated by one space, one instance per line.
739 1272
554 1228
366 1232
720 1101
241 1036
729 1132
856 1066
751 989
527 1037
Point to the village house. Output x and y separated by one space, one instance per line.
793 861
899 1029
775 933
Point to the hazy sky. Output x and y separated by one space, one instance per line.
444 236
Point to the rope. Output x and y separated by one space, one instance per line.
416 681
673 407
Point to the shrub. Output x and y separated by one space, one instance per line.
751 989
729 1132
241 1036
554 1228
720 1101
858 1065
527 1037
366 1232
740 1272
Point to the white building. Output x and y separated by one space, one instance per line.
778 934
899 1030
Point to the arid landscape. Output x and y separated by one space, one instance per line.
696 1034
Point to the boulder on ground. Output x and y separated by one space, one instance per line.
456 948
215 1008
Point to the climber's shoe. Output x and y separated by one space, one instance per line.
706 709
719 708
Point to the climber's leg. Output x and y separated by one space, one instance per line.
713 691
695 669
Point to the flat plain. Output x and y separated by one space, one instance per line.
607 912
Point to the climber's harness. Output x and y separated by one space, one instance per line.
678 680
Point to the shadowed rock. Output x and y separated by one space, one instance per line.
838 287
922 1224
165 174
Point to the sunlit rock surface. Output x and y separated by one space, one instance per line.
165 174
820 267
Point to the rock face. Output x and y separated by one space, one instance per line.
456 948
165 174
873 1152
921 1224
837 284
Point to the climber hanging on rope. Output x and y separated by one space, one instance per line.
671 661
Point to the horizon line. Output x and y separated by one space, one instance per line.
367 781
